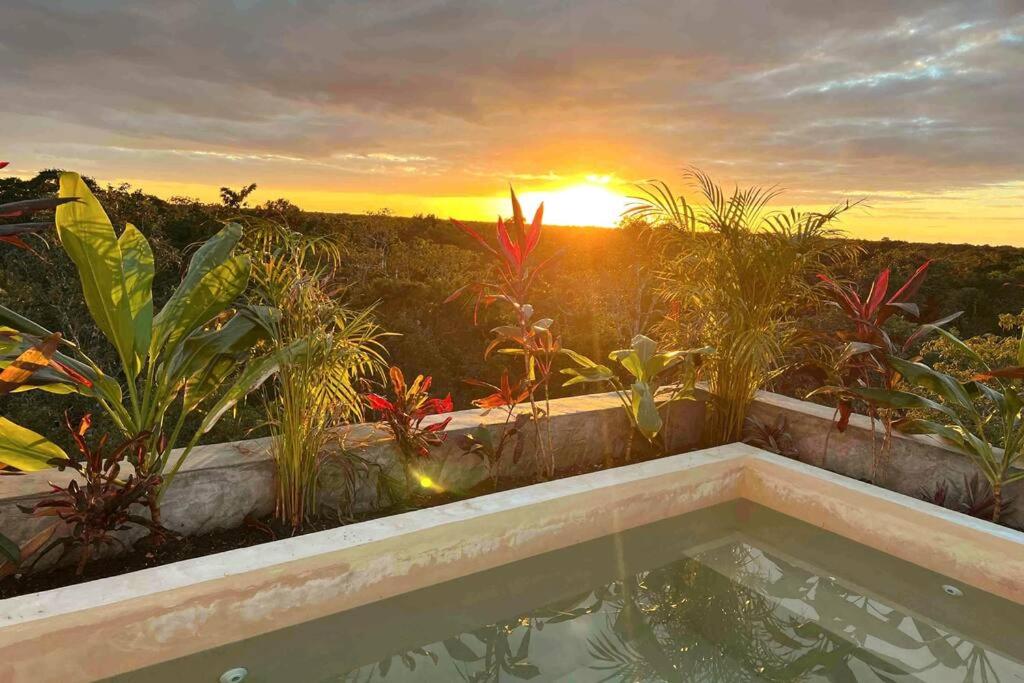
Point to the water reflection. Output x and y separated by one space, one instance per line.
733 612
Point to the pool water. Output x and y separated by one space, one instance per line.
731 593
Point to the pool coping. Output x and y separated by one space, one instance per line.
162 613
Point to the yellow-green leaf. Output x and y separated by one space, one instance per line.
212 281
89 239
26 450
137 259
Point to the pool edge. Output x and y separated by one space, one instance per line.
162 613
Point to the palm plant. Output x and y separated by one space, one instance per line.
185 357
739 277
980 416
316 391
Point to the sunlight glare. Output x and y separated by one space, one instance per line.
590 203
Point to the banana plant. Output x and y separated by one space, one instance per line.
195 352
981 417
644 364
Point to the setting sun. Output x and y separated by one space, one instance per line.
588 203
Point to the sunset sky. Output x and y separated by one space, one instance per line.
435 106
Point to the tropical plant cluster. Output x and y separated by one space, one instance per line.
218 322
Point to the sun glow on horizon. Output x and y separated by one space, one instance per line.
591 203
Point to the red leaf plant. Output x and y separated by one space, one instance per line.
404 413
12 233
100 502
513 273
866 344
481 442
32 361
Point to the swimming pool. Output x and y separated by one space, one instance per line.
343 601
735 592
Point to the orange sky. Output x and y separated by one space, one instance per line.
435 107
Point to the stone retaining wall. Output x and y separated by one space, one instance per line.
221 484
914 465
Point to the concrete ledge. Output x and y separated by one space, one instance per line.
915 464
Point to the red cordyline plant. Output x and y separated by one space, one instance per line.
480 441
101 502
12 233
511 279
404 414
867 345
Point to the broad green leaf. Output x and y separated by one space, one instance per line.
645 347
902 400
90 242
508 332
637 359
138 277
211 297
579 358
958 344
630 361
255 374
1020 349
20 323
648 420
202 385
233 340
919 426
24 449
211 273
597 373
923 376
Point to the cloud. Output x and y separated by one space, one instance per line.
457 97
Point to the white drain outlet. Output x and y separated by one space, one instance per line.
236 675
953 591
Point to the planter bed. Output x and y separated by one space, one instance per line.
223 499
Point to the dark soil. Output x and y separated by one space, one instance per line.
253 532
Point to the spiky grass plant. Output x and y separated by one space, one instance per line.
316 392
738 277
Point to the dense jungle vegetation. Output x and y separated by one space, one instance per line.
600 288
